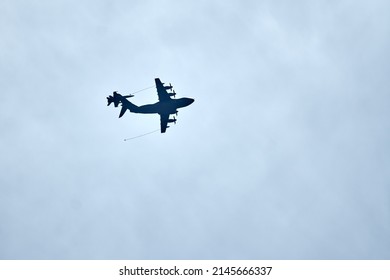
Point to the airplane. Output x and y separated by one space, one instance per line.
164 107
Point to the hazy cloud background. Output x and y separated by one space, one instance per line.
283 155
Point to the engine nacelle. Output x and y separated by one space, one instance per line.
168 87
173 93
172 120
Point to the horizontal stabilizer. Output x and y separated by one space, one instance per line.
123 111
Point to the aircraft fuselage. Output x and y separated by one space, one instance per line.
165 107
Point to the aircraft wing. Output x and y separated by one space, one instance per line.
161 91
164 122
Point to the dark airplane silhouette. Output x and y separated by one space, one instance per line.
164 107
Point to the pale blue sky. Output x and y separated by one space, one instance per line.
284 154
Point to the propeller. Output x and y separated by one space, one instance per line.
172 120
173 93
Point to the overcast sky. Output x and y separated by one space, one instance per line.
285 153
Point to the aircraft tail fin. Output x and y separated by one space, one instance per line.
117 98
114 98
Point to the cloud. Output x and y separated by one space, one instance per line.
283 155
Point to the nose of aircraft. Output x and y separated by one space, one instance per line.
185 101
